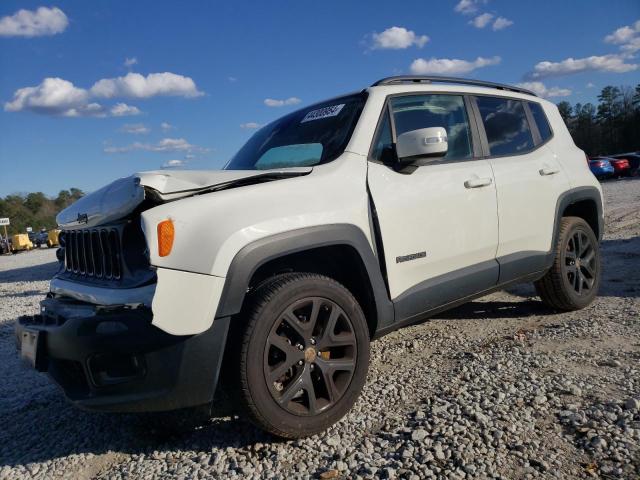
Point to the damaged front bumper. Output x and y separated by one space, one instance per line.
116 359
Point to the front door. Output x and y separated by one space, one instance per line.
438 219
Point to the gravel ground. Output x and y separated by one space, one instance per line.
499 388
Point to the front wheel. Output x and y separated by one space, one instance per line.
304 354
572 282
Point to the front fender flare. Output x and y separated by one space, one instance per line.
247 261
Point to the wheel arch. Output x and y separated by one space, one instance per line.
583 202
341 251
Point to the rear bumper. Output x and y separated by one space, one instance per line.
114 359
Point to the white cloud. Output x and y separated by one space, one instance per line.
396 38
270 102
466 7
166 126
501 23
134 85
86 110
603 63
450 66
628 37
130 62
541 90
174 164
250 125
623 34
632 46
232 79
135 128
164 145
591 85
54 96
124 110
481 21
38 23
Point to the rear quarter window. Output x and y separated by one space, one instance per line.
506 126
541 121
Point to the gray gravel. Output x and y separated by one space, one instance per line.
499 388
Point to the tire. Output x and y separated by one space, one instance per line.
303 333
572 282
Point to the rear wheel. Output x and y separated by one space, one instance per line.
572 282
304 354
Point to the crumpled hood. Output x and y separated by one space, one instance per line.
121 197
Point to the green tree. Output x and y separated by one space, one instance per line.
565 111
608 115
35 210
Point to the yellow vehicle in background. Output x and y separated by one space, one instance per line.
21 242
52 238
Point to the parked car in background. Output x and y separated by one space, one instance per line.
40 238
633 159
5 247
621 167
601 168
33 238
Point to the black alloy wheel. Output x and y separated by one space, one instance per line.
310 356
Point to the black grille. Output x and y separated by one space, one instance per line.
94 253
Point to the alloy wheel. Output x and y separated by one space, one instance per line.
580 263
310 356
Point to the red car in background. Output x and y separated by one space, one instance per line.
633 159
621 167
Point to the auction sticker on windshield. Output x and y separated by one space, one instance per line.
325 112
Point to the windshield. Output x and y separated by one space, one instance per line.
311 136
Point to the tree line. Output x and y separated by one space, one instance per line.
611 127
35 210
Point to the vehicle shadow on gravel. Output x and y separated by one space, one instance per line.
497 309
34 273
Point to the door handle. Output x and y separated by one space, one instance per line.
548 171
478 182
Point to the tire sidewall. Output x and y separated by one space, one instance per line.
264 402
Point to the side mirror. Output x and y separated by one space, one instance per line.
422 143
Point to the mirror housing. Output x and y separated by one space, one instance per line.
422 143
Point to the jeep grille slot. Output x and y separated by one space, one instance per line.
94 253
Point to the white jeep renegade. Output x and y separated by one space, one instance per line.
333 225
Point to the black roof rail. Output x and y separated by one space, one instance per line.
461 81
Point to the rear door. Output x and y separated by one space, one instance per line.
529 180
437 219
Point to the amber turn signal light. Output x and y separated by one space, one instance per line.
166 233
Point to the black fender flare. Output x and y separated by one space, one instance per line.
250 257
568 198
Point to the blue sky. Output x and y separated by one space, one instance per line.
95 90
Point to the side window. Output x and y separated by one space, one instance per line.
505 123
383 146
447 111
541 121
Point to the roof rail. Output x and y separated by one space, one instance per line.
461 81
